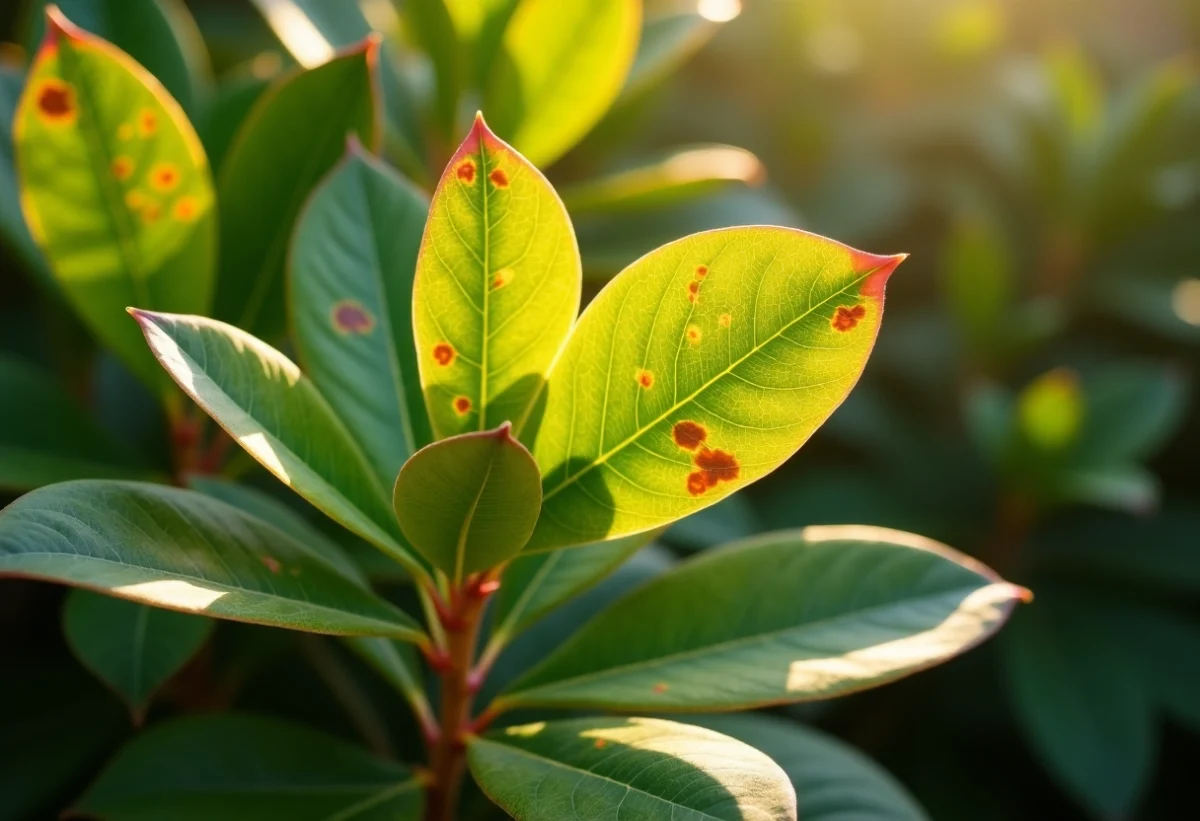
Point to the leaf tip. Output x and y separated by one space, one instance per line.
877 268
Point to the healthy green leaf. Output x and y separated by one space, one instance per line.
132 647
115 187
469 503
562 65
432 25
273 411
234 97
353 258
820 612
497 288
279 155
397 664
699 369
249 768
1132 409
637 769
668 39
184 551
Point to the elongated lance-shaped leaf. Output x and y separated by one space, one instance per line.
294 134
469 503
276 414
819 612
498 283
353 258
635 769
397 664
699 369
115 188
181 550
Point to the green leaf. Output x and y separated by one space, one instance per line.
235 96
978 278
249 768
279 155
469 503
184 551
273 411
115 187
684 174
699 369
820 612
562 65
353 259
639 769
730 519
397 664
498 283
14 233
668 39
132 647
1132 410
433 27
1050 410
833 781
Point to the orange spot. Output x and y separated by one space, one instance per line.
644 378
134 200
164 176
271 563
462 405
723 320
701 271
601 743
714 466
122 168
466 171
661 687
689 435
443 353
147 122
693 291
56 102
693 334
502 278
499 178
846 318
350 317
151 212
125 131
186 209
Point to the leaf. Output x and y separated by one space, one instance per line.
820 612
397 664
279 155
46 438
132 647
1132 410
730 519
184 551
249 768
637 769
833 781
684 174
14 233
433 27
115 187
497 287
469 503
699 369
273 411
234 97
668 40
561 67
353 259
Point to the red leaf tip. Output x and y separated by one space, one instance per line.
58 25
878 269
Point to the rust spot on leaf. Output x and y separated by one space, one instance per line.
56 102
689 435
164 176
462 405
723 320
147 123
644 378
122 168
846 318
693 289
714 466
186 209
693 334
701 271
350 317
502 278
601 743
661 687
466 171
499 178
443 353
271 563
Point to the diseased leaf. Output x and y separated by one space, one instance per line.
273 411
132 647
115 188
353 259
184 551
497 288
560 68
278 156
820 612
249 768
469 503
699 369
638 769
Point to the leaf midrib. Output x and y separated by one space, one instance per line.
464 531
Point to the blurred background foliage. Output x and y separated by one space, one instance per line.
1031 400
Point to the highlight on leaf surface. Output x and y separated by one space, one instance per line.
115 188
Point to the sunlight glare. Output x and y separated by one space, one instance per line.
719 11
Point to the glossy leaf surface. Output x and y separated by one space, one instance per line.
498 283
637 769
115 188
469 503
699 369
820 612
184 551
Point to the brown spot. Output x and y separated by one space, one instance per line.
644 378
601 743
462 405
350 317
502 278
134 200
693 334
661 687
164 176
714 466
186 210
56 101
696 483
701 271
723 320
151 212
147 122
271 563
846 318
443 353
466 171
689 435
499 178
693 291
122 168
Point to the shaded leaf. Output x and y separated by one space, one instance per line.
234 97
668 40
14 233
397 664
730 519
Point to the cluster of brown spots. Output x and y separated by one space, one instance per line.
714 466
723 320
186 209
462 405
499 178
693 334
601 743
501 278
443 353
350 317
693 291
271 563
147 122
661 687
466 171
56 102
644 378
846 318
164 176
689 435
122 168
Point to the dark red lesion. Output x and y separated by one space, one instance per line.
443 353
846 318
462 405
713 466
466 171
499 178
689 435
350 317
701 271
56 101
693 291
644 378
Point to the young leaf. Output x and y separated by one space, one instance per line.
115 188
279 155
497 288
469 503
699 369
241 767
184 551
821 612
639 769
352 263
132 647
562 65
273 411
